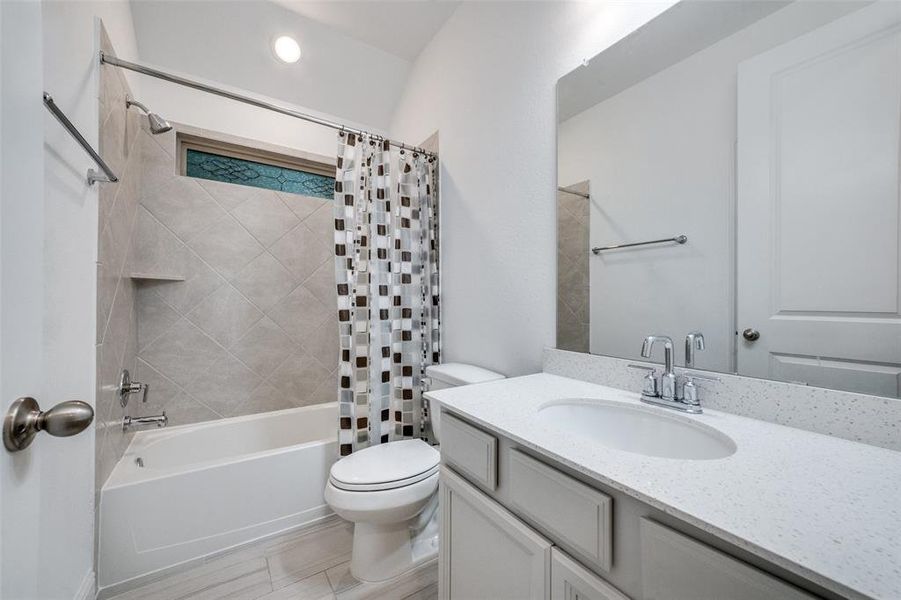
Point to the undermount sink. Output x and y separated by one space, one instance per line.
636 429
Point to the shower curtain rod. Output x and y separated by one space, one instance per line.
131 66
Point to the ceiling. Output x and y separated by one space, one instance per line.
356 55
402 28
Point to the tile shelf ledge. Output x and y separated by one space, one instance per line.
157 276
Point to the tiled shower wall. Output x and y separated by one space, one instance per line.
572 269
252 325
120 145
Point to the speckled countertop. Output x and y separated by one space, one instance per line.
824 508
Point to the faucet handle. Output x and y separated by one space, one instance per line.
690 390
127 387
649 384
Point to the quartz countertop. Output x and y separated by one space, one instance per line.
824 508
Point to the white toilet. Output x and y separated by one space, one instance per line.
389 492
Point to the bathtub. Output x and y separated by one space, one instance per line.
182 493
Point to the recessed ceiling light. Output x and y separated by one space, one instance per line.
287 49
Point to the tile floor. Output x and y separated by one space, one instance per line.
309 565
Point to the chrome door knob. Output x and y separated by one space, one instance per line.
25 419
752 335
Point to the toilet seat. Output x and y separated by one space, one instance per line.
385 467
385 485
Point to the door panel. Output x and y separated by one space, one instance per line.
486 552
819 265
48 233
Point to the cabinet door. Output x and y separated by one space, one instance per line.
572 581
677 567
486 552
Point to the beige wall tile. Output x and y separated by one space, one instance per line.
154 316
116 318
239 315
225 315
265 281
300 314
266 217
226 246
181 205
264 348
298 376
302 251
183 353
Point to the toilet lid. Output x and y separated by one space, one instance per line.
385 466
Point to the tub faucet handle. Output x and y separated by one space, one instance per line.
127 387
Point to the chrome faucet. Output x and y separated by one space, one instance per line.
666 386
127 387
158 420
671 390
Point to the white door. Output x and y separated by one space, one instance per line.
46 490
818 206
487 553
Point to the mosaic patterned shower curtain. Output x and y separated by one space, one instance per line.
386 268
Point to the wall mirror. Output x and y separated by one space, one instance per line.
763 136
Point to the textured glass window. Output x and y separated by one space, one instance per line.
247 172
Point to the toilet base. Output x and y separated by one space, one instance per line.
382 552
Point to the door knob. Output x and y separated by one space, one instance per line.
752 335
25 419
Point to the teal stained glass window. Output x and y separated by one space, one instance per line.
247 172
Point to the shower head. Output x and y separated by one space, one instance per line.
158 124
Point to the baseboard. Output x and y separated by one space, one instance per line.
87 589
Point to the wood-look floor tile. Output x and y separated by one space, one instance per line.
429 592
248 587
310 554
340 578
222 575
312 588
418 579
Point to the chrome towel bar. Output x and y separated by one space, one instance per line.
679 239
93 175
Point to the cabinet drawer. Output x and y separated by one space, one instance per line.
574 515
677 567
469 450
572 581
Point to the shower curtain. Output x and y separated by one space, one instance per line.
386 269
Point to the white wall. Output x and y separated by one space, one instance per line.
487 82
660 157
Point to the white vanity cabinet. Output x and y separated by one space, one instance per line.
517 526
489 554
486 552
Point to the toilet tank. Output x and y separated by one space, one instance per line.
451 375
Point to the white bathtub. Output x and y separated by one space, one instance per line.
207 487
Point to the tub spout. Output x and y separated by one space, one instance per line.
159 420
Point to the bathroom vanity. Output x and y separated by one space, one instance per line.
535 506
